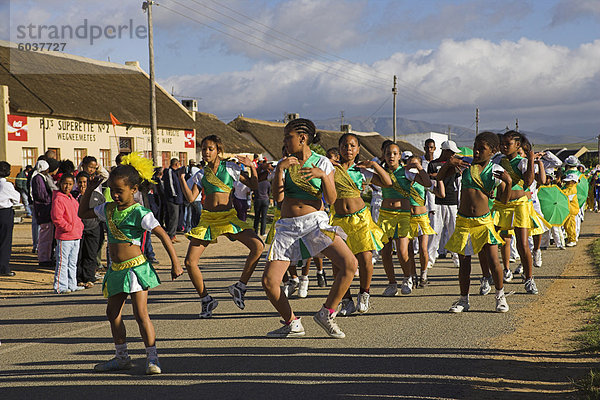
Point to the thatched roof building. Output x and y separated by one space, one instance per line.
54 84
270 136
208 124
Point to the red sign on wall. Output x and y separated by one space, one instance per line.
17 128
189 140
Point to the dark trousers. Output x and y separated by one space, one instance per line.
260 215
7 221
172 218
88 255
241 207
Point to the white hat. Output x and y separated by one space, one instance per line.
406 155
42 165
572 161
571 177
450 145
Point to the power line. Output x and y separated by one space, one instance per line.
380 107
332 56
426 99
382 84
266 49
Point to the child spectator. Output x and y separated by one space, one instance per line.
8 197
91 242
69 229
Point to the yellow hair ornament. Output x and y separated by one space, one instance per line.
143 166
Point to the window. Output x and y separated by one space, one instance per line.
30 155
183 158
57 151
79 154
105 159
148 154
166 159
125 145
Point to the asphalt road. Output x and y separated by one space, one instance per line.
404 347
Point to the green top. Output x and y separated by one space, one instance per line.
221 181
398 190
476 178
124 226
512 167
297 187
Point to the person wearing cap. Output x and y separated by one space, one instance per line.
42 186
572 165
570 189
443 219
405 156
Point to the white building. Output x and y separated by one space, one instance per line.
418 140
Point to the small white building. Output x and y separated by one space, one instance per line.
418 140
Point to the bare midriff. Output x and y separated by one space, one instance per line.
219 201
348 206
473 203
120 252
396 204
298 207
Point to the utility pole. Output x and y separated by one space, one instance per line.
147 6
517 125
395 92
477 121
449 133
342 118
598 149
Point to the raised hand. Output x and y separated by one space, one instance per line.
286 162
503 176
245 160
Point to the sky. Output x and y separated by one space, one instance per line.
535 60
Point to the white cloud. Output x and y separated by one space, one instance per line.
503 79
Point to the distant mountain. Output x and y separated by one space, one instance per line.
462 135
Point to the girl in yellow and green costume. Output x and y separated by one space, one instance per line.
353 216
129 274
218 218
401 218
301 180
518 214
475 232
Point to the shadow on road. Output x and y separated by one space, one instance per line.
310 373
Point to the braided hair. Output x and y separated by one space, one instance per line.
303 126
490 138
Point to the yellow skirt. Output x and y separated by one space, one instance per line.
363 233
420 225
516 214
271 234
394 224
472 233
216 223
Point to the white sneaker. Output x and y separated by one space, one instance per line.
363 302
347 307
571 244
459 306
303 287
501 304
293 329
484 287
537 258
530 286
456 260
430 263
391 290
290 288
208 307
327 322
407 284
508 276
518 270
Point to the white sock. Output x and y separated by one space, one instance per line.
296 279
320 272
121 351
499 293
151 352
304 278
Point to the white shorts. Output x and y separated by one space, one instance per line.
299 238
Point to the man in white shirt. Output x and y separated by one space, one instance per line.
8 198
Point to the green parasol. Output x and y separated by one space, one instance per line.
465 151
554 204
583 188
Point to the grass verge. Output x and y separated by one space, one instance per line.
589 338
